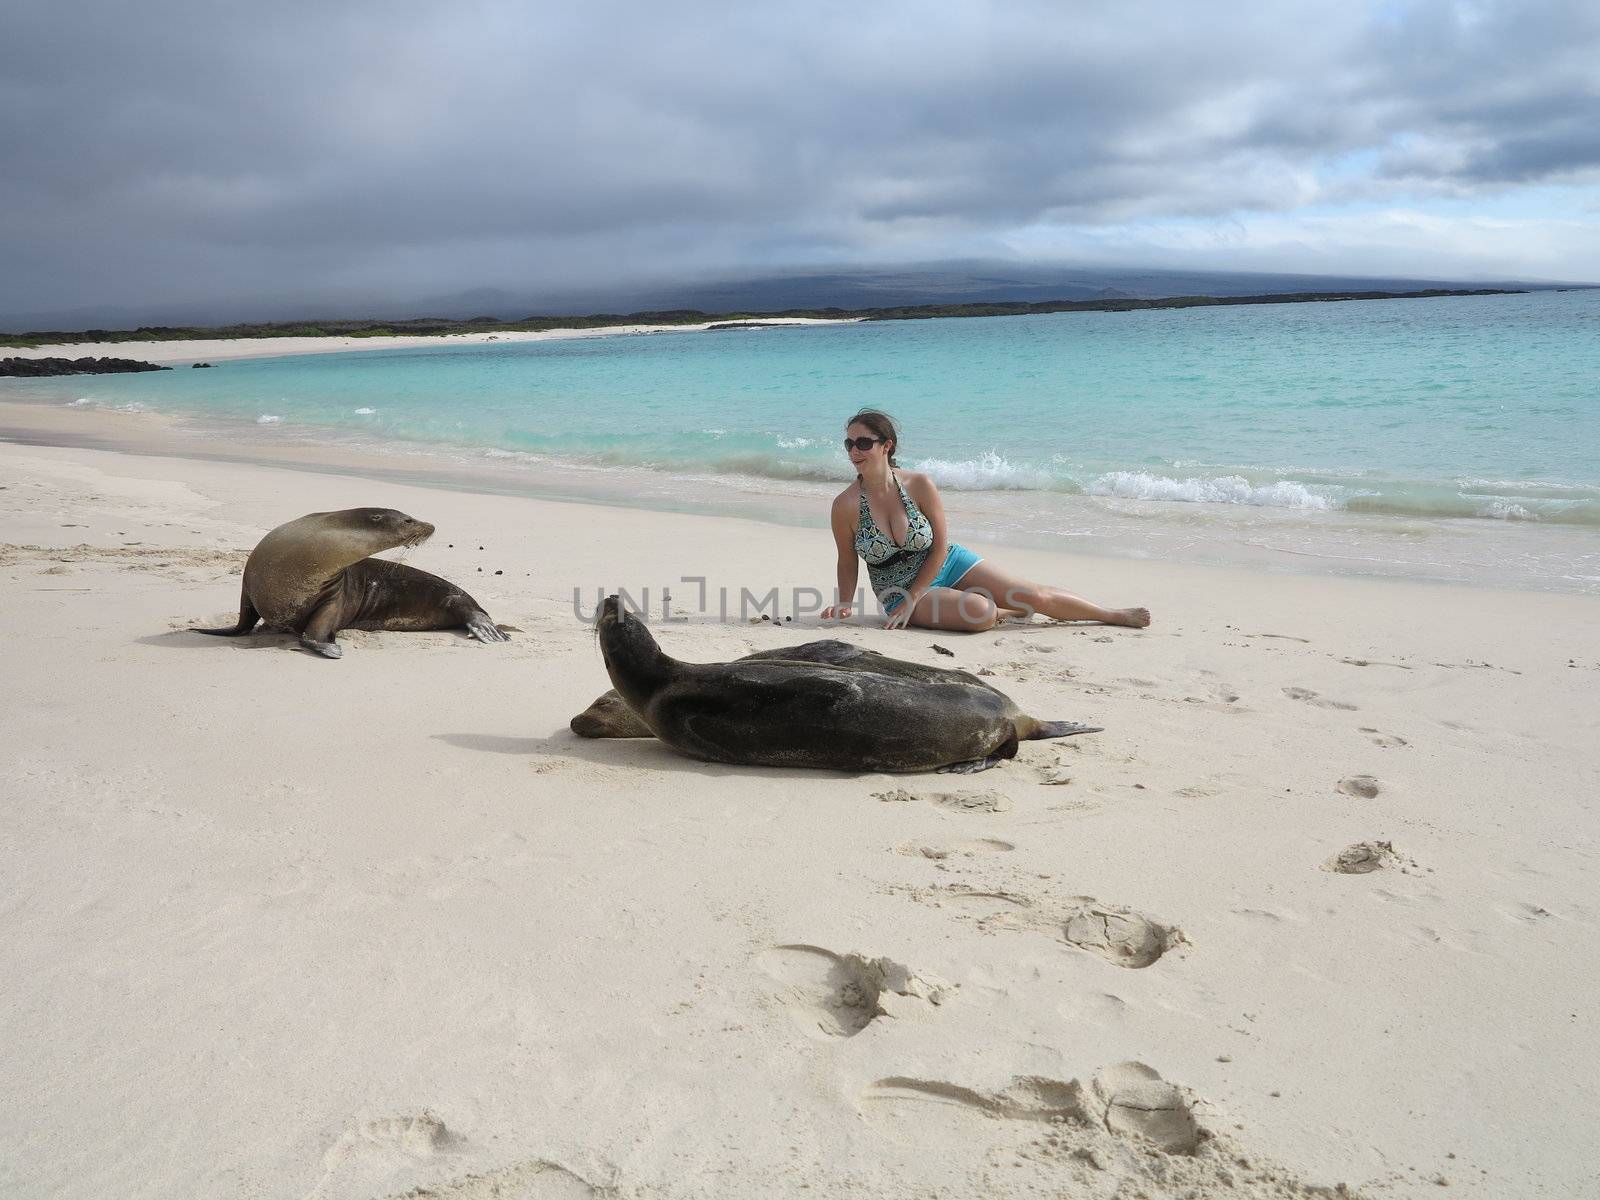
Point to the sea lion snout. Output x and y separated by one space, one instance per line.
404 529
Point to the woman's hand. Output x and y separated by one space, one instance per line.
900 618
836 612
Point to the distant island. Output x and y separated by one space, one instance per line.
441 327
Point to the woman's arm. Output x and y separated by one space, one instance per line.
921 489
844 538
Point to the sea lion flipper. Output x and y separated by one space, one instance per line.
485 630
248 619
1057 729
321 629
974 765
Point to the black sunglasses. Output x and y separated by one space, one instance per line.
862 444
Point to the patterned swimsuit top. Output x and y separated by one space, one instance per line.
889 566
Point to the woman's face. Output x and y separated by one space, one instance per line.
859 457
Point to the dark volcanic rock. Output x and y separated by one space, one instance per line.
197 366
36 368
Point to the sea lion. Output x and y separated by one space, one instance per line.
610 717
313 577
850 715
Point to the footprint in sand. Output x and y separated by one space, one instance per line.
1307 696
1137 1102
1388 741
537 1179
1364 786
838 995
963 849
419 1136
1118 935
1362 858
969 802
1218 697
371 1153
990 910
1130 1102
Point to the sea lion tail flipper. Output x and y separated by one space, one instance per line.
1056 729
248 619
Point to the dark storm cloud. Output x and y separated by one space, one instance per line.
210 150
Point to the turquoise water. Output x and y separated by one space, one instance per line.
1474 409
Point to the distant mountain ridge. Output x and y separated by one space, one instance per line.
937 283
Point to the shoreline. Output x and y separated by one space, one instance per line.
1269 542
167 353
411 900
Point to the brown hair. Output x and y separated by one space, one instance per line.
882 425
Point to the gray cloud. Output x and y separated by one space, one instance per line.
167 152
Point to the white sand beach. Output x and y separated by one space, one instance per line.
277 926
193 350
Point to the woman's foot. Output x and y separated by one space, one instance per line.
1133 618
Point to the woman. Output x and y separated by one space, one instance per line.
895 521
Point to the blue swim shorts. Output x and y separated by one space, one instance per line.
958 560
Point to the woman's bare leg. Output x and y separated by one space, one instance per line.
1013 592
955 610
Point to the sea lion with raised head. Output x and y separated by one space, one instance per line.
610 717
314 576
865 712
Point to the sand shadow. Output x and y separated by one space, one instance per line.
188 639
645 754
496 744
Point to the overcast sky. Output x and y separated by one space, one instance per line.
155 152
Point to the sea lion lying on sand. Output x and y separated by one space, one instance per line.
610 717
856 711
313 576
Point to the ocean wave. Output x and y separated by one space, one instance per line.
365 412
268 419
1434 503
132 406
1536 490
1505 510
80 402
1226 489
990 472
766 466
786 443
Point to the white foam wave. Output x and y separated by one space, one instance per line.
1506 510
133 406
79 402
365 412
988 472
268 419
796 443
1227 489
